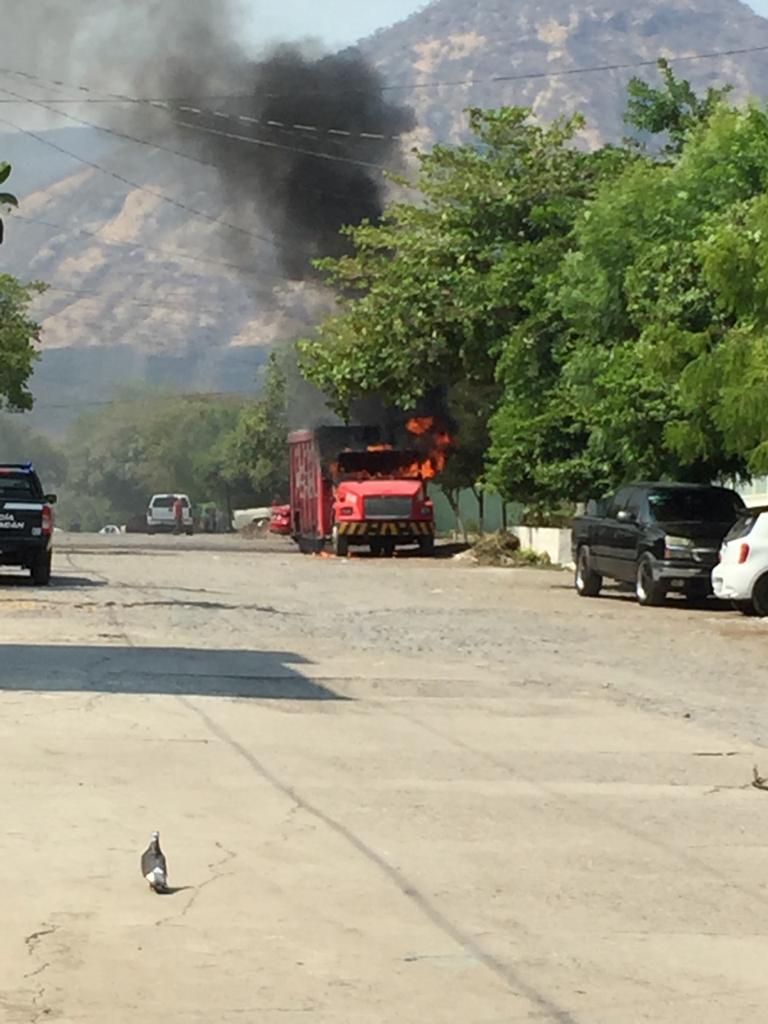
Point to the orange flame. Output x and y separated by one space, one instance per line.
420 425
436 461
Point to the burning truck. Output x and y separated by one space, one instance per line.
350 487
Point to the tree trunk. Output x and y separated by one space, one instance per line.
454 500
480 499
504 516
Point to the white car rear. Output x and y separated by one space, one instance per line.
160 515
742 573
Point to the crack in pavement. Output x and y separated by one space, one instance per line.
509 975
216 867
32 941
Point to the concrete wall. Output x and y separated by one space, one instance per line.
546 541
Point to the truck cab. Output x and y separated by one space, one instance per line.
382 514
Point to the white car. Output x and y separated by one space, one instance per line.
160 517
742 573
110 529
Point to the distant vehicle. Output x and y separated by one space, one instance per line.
111 529
244 517
658 536
280 520
26 522
742 573
348 488
161 518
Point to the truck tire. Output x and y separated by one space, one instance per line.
427 546
340 544
760 597
388 547
376 548
650 593
41 570
588 582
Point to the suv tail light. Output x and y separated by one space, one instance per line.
743 553
47 520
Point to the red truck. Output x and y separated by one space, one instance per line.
347 488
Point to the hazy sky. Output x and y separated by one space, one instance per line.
344 21
334 21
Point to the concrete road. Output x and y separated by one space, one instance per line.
391 793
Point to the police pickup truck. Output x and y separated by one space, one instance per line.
26 522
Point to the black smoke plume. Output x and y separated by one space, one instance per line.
296 175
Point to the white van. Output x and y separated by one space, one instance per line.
160 517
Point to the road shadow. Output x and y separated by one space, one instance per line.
175 671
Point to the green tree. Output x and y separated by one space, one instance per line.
6 198
20 443
430 297
146 442
19 334
672 111
256 451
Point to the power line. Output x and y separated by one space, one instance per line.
176 253
143 188
277 145
407 86
191 308
277 125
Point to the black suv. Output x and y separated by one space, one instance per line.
26 522
659 536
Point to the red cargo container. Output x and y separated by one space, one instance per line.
347 488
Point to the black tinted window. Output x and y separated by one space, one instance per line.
618 502
168 501
17 485
716 505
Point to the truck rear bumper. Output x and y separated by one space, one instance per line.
22 551
404 531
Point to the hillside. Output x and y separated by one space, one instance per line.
452 40
145 289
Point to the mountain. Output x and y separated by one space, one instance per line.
454 40
145 287
140 288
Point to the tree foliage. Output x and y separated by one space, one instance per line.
19 335
600 316
6 198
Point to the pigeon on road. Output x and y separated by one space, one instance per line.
154 867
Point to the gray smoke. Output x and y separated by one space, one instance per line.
301 185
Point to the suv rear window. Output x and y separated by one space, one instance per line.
168 501
677 505
743 526
17 485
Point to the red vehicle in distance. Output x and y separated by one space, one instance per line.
280 520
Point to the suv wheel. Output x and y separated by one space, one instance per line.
588 582
650 593
760 597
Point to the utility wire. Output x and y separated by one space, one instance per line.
118 301
149 191
175 253
431 84
125 137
